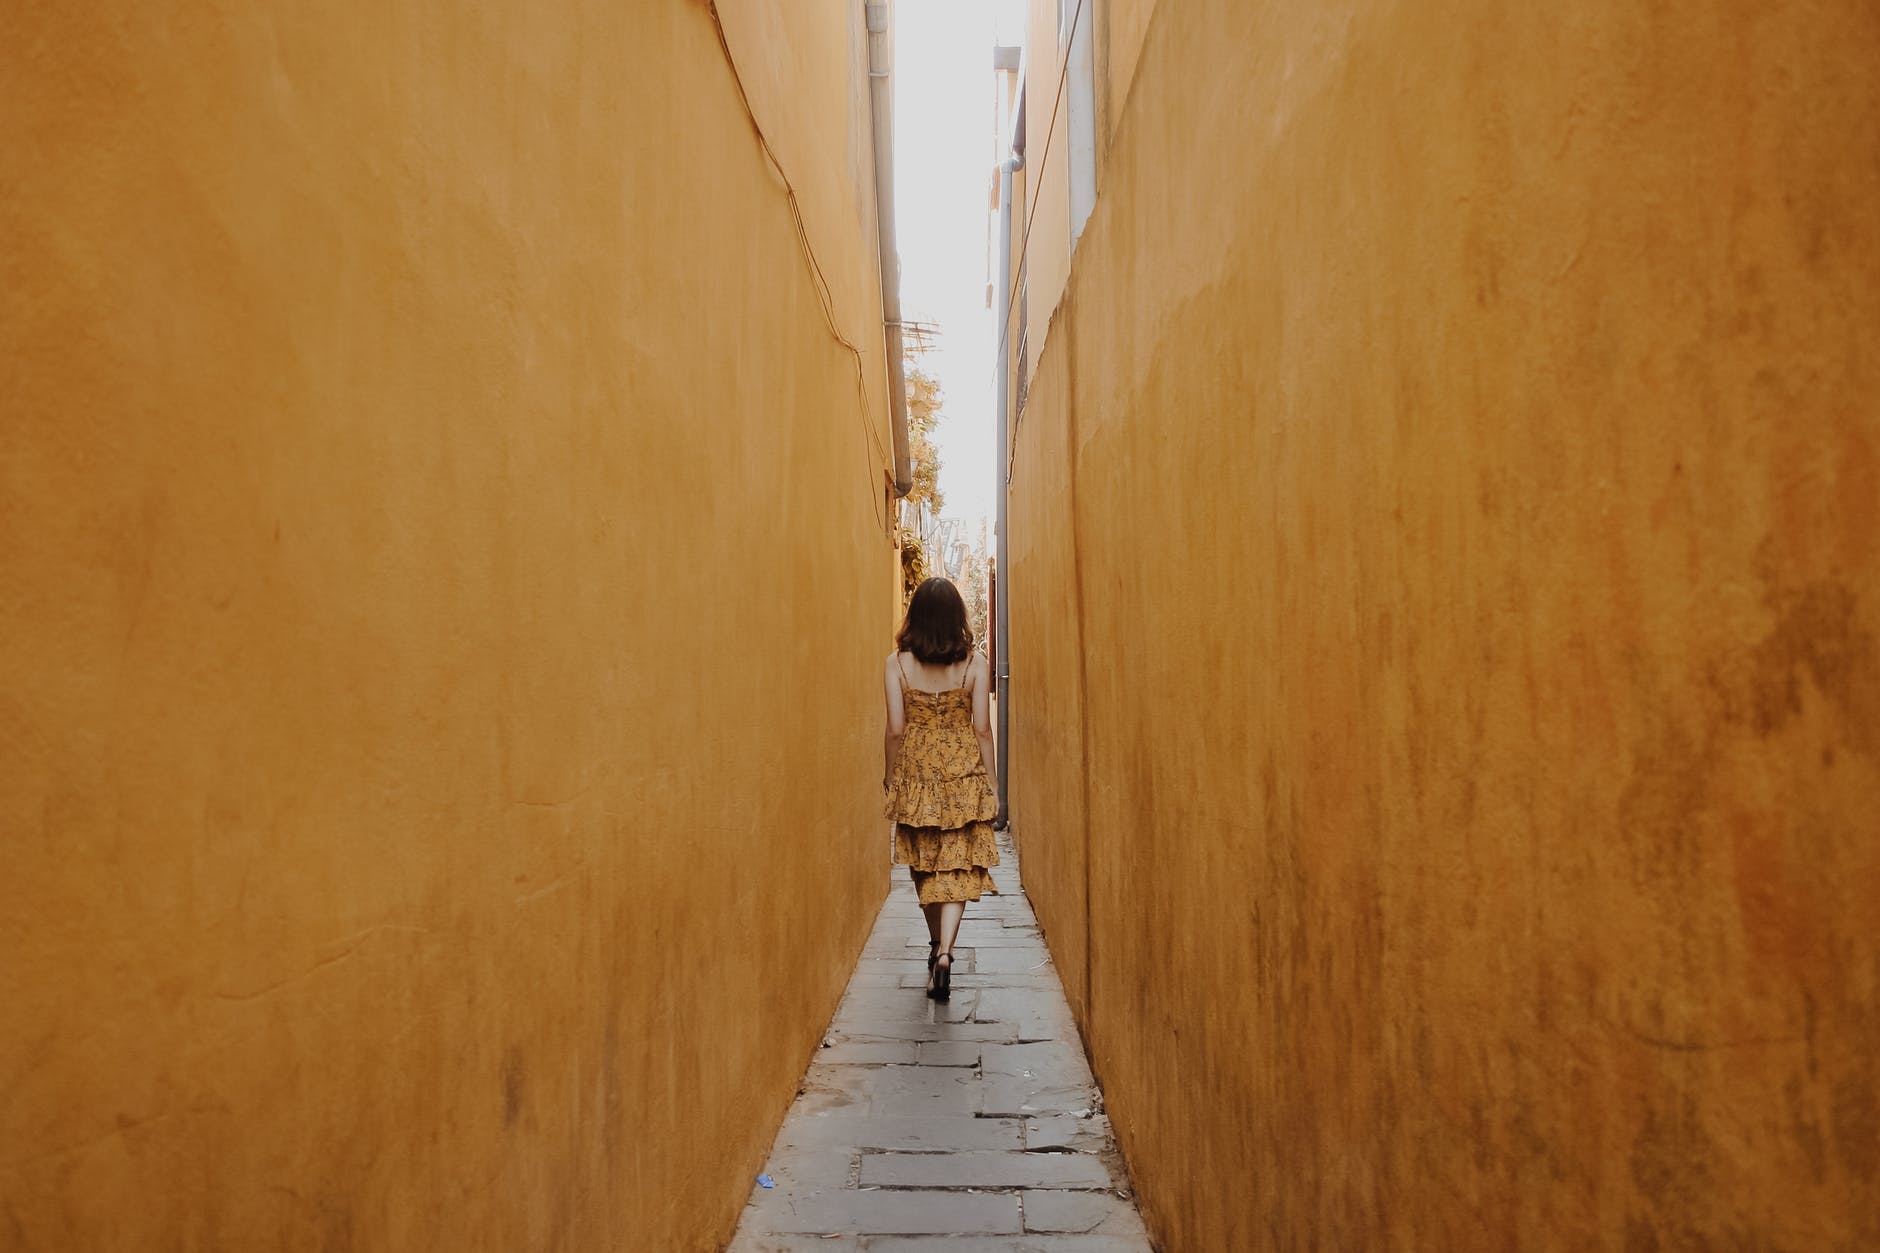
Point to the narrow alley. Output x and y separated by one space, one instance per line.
1410 479
948 1127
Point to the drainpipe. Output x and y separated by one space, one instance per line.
881 97
1002 678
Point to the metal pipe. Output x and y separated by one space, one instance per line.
881 98
1002 668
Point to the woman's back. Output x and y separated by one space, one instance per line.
933 679
939 777
936 700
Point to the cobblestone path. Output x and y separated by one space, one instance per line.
966 1127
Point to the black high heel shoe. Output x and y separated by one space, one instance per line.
933 955
942 989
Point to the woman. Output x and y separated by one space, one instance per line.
939 747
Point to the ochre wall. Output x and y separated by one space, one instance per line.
1046 189
1446 626
443 565
1120 27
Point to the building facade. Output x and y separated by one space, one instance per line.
1444 579
399 850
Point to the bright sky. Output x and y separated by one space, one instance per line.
943 164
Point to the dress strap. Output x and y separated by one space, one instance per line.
900 663
965 674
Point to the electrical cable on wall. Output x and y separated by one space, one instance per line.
825 296
1024 243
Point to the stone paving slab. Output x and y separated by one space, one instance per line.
1085 1133
935 1135
1082 1213
1047 1061
995 1032
1003 1096
872 1053
820 1168
950 1052
926 1091
966 1127
984 1170
1033 1016
754 1242
863 1211
1012 961
1027 1243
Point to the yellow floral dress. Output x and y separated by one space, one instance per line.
940 800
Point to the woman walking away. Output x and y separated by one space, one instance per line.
939 770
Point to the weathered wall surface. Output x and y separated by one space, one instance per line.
1046 230
424 454
1459 438
1120 28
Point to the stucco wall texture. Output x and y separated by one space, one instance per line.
442 566
1046 188
1445 594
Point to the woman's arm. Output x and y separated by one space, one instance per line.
982 715
897 718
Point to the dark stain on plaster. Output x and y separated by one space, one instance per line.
1640 1235
1819 641
1857 1127
513 1072
1673 1166
1668 789
1805 1127
336 1225
1818 635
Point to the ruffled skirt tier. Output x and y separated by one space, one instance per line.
948 863
941 802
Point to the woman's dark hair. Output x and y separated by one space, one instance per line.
935 628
